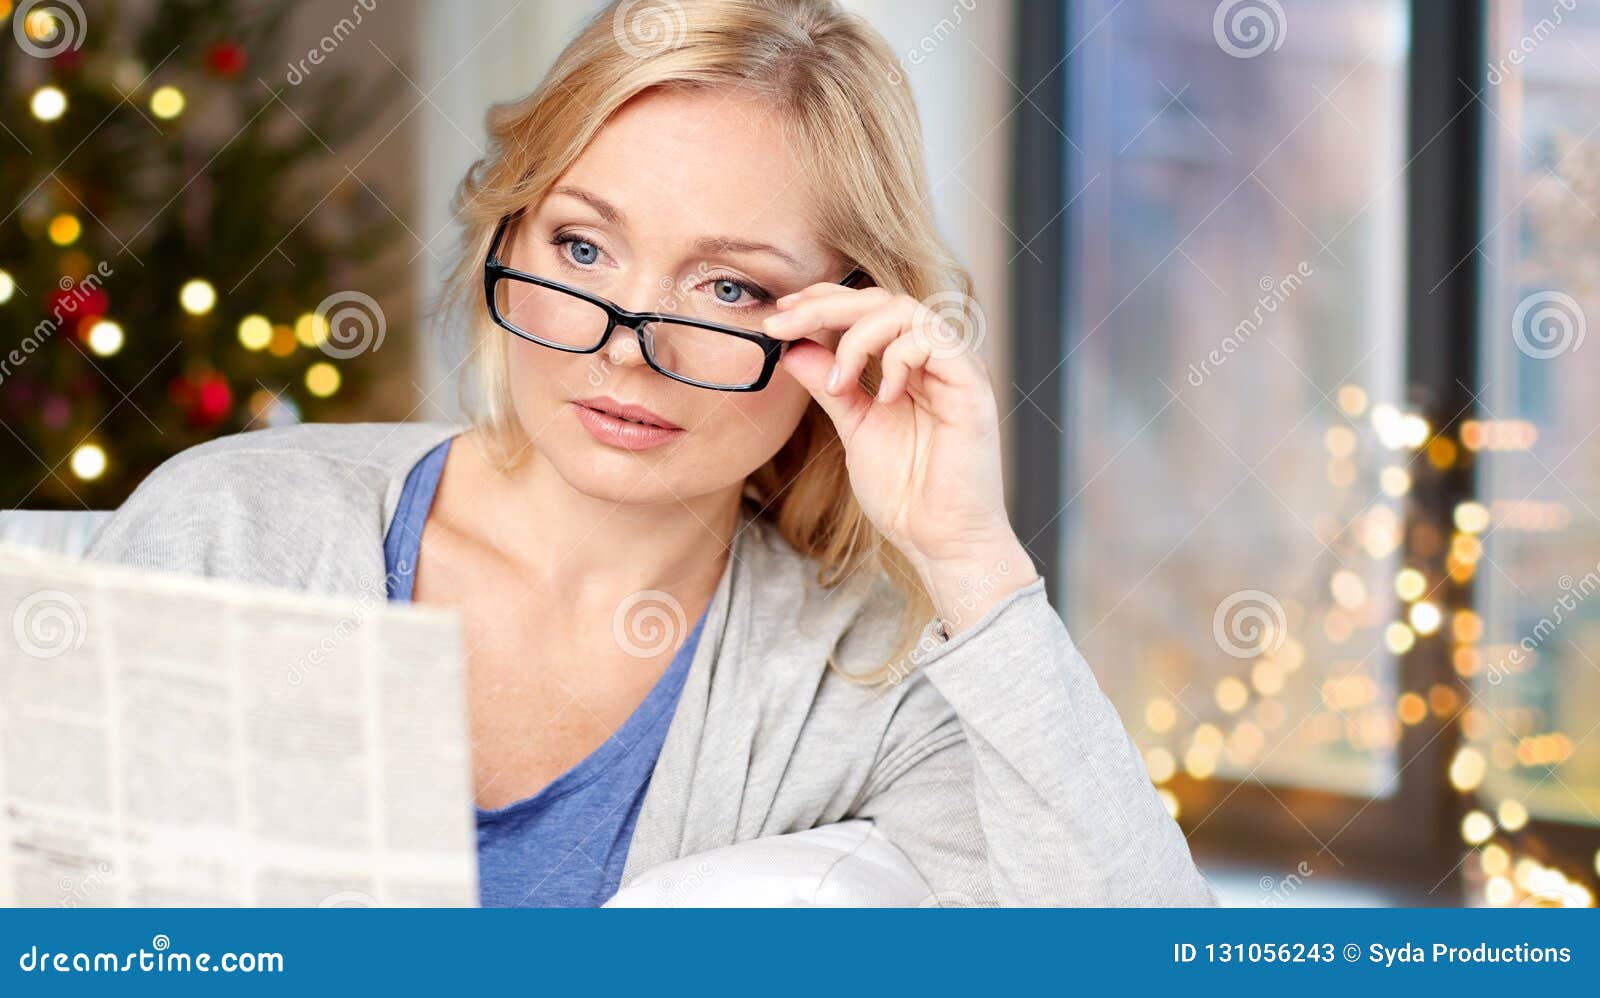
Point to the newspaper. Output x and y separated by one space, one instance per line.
167 740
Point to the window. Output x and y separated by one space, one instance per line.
1322 421
1234 313
1537 669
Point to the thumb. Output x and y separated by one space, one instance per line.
810 363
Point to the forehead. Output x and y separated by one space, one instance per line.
683 164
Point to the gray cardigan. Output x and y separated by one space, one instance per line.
996 764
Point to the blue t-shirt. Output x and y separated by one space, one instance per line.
565 846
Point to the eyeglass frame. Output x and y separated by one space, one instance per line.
494 270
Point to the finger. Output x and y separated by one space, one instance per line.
809 363
904 357
825 312
868 338
814 291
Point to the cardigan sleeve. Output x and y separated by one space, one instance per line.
1032 793
281 519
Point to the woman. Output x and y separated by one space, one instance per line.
799 478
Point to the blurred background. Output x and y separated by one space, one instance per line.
1286 300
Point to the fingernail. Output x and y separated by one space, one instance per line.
833 380
776 322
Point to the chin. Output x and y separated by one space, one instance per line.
669 474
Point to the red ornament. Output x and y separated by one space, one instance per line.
72 306
214 401
225 59
205 398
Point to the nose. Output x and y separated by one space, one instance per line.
623 349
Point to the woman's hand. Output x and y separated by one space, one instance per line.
924 454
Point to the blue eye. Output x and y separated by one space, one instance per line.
581 250
728 291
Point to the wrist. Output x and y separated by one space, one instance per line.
965 586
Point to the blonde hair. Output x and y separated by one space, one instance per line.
839 91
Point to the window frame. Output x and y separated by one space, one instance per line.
1410 837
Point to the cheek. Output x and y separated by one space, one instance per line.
755 425
542 379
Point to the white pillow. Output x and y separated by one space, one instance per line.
849 864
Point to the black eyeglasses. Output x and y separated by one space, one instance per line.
694 351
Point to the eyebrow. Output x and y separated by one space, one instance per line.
727 244
605 209
705 244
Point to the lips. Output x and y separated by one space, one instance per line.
624 411
623 426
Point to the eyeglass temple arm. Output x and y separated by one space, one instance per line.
851 279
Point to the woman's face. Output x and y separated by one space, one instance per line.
683 203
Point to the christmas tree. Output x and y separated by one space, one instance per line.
167 272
